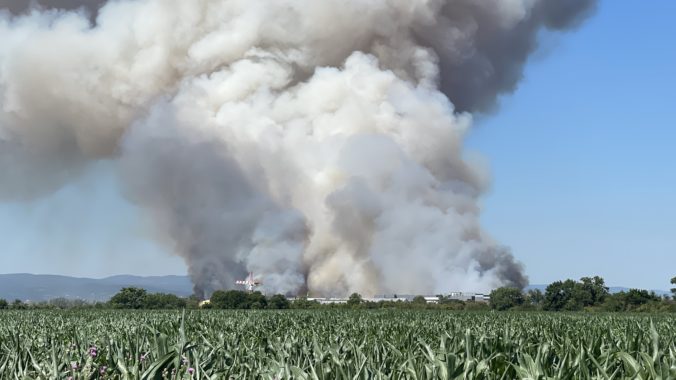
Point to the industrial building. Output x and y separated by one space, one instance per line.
456 296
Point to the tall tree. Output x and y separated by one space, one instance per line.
535 297
354 300
561 295
596 288
129 298
506 298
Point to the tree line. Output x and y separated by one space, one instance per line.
139 299
589 293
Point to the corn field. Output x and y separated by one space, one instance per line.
331 344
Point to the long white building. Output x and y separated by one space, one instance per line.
458 296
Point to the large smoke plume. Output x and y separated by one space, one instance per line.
315 143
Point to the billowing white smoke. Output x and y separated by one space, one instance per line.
315 143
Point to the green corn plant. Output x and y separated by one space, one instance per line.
334 344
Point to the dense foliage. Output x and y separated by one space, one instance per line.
506 298
235 299
590 294
334 344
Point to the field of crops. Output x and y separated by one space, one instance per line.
385 344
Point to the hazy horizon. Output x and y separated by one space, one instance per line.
185 276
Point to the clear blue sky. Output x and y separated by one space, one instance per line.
584 153
583 158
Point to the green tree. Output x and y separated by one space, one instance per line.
570 295
673 290
230 299
559 296
419 301
256 300
534 297
354 300
3 304
278 301
637 297
164 301
506 298
614 302
595 288
129 298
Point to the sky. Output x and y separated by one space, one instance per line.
581 156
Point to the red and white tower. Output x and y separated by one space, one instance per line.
249 283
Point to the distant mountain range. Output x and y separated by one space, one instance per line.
30 287
611 289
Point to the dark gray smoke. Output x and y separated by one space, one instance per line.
315 143
493 49
17 7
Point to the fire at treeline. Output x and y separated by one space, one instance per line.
589 294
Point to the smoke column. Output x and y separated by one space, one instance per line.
315 143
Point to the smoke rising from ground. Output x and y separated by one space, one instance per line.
315 143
